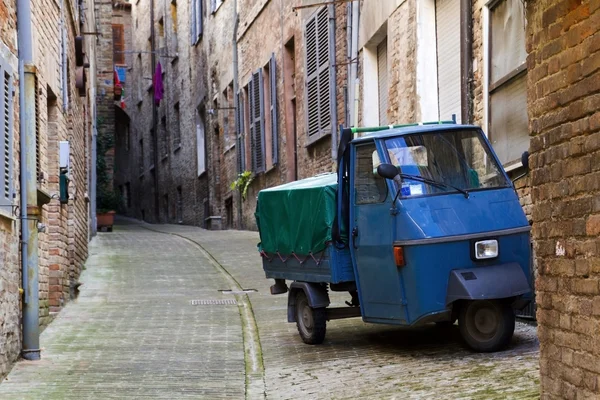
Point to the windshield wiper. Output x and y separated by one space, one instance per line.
434 183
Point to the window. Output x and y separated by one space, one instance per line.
382 81
317 98
214 5
447 13
173 44
6 132
257 122
118 44
240 136
176 128
200 143
164 138
196 15
248 163
225 113
507 90
369 186
271 105
141 156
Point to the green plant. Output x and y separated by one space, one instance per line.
242 183
108 200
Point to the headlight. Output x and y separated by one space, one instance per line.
486 249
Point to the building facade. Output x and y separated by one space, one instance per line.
64 105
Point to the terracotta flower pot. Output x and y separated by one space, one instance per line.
105 220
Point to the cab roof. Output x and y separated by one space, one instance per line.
407 130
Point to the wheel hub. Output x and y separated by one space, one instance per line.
307 317
485 321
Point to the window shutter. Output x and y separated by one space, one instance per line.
382 71
251 121
240 136
447 12
317 73
118 44
193 22
258 120
6 120
213 6
274 120
198 19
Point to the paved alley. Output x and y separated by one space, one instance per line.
152 322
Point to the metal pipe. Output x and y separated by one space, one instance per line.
333 85
29 209
466 60
236 106
353 81
154 117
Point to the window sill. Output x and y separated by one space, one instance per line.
7 213
202 174
149 88
164 158
228 149
151 168
175 59
317 137
177 148
271 168
141 175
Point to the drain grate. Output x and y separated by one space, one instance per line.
220 302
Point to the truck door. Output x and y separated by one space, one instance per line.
371 230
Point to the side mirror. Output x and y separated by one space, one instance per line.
387 171
525 160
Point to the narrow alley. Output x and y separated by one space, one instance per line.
151 321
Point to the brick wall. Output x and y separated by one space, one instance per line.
63 247
564 99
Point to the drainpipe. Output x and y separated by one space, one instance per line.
154 117
29 209
236 105
466 60
353 81
332 85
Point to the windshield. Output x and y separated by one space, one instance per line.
458 160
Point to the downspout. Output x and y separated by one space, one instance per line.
333 85
154 116
353 81
466 60
236 106
29 209
63 35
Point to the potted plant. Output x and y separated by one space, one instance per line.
242 183
109 202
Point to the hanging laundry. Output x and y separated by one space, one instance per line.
158 84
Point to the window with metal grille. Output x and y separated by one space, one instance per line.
507 91
118 44
257 122
317 95
382 81
196 14
6 129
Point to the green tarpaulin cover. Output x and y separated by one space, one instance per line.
297 216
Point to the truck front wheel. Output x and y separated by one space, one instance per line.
485 325
311 322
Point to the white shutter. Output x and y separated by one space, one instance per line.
6 133
382 81
200 144
447 22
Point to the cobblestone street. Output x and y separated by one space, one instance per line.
134 333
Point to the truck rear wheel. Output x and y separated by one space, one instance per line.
311 322
486 326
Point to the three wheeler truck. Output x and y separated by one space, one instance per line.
420 224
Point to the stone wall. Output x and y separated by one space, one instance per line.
564 99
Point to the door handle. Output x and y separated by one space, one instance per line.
354 237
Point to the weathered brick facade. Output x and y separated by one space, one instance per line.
61 115
564 99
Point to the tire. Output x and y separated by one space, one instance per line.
311 322
486 326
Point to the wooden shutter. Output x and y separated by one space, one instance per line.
118 44
251 123
6 122
274 120
241 152
258 121
447 13
382 81
316 36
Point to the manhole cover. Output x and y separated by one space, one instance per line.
222 302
